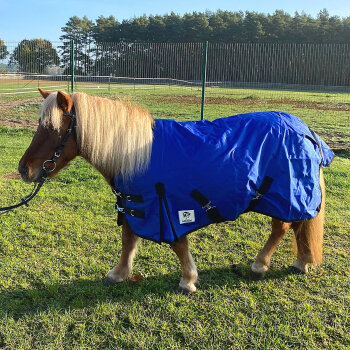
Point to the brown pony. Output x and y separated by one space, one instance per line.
116 138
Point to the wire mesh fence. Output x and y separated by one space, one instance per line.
36 63
309 80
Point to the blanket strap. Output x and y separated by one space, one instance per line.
205 203
264 187
160 189
129 197
120 205
132 212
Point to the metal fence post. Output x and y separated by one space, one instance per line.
72 65
204 76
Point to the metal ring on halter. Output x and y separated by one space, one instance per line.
48 169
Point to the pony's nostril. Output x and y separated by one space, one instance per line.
23 170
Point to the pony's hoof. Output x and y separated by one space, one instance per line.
183 291
295 271
256 276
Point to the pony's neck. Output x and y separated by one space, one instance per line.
115 137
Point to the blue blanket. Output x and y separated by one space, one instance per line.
202 172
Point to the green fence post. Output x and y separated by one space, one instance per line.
204 76
72 66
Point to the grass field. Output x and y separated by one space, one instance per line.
54 254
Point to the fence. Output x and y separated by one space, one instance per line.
31 63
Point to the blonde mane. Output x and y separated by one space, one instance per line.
114 136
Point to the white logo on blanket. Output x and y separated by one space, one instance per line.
186 216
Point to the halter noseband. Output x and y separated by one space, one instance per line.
45 171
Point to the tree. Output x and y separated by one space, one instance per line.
3 50
173 27
106 30
81 31
156 29
196 27
219 26
33 56
277 27
253 27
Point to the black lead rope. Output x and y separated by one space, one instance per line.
26 199
46 170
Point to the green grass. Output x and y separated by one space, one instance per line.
54 254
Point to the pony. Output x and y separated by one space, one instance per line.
116 138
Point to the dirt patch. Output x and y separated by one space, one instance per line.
5 104
12 176
19 123
335 140
19 113
250 101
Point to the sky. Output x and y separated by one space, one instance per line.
29 19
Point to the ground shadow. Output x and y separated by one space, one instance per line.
343 153
88 293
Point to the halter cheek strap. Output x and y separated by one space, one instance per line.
45 169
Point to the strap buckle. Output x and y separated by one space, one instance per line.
120 209
207 206
116 193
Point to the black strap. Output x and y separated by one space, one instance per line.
204 202
132 212
264 187
160 192
120 205
129 197
160 189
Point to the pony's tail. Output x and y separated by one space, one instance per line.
309 234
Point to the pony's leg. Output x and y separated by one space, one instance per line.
124 266
263 259
309 237
188 267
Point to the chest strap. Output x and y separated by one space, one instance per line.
129 197
132 212
120 205
205 203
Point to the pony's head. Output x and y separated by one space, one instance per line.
48 137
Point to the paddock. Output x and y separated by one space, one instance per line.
54 254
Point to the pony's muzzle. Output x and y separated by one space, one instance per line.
28 175
23 170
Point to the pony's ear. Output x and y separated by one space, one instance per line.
44 93
64 101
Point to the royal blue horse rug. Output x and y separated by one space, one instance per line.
202 172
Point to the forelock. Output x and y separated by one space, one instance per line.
50 114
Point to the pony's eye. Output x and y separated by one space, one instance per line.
51 129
